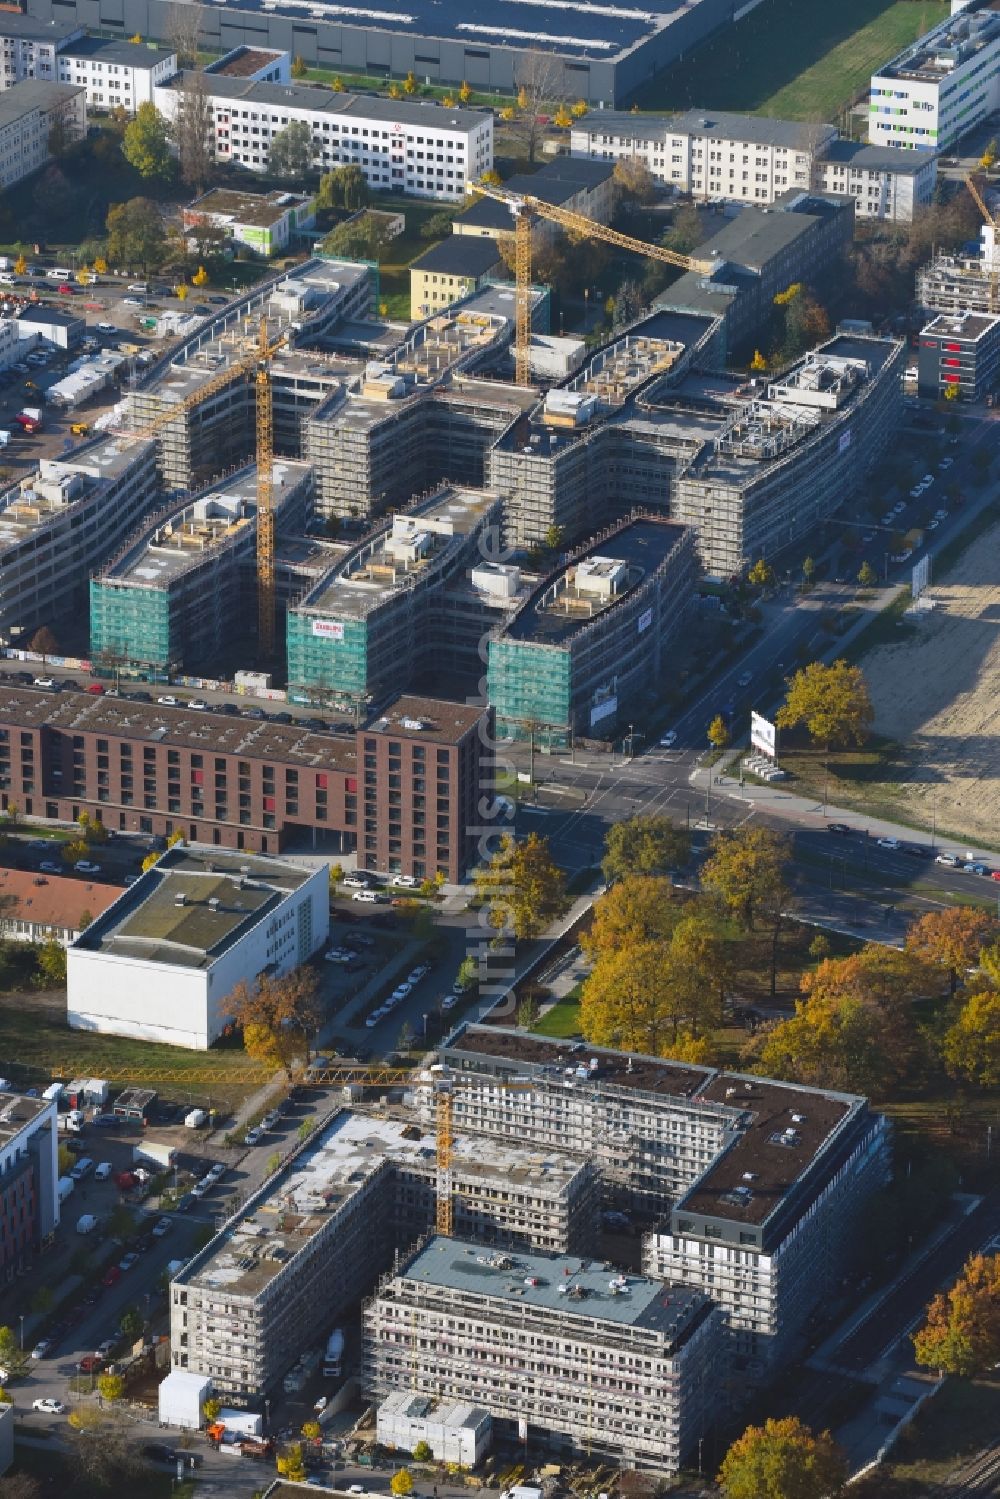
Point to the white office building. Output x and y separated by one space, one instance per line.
161 963
30 46
28 112
948 81
29 1176
884 181
116 75
424 150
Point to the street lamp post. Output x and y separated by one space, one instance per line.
20 1318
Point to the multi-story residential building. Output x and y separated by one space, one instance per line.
252 785
746 158
451 271
58 524
580 652
115 74
762 1182
424 150
161 963
940 87
959 352
263 222
884 181
375 619
590 1360
312 1241
29 1177
174 596
30 46
29 111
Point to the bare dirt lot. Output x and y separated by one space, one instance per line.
937 694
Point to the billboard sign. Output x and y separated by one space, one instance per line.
645 620
328 629
763 735
603 710
921 576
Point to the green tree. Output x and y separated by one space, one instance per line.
961 1335
401 1483
43 1300
831 701
468 974
111 1387
422 1452
718 733
439 225
291 151
146 145
136 236
783 1460
634 180
346 187
645 845
132 1324
52 962
522 886
971 1045
867 576
10 1348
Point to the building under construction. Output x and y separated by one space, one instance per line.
569 1352
963 283
183 590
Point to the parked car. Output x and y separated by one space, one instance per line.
951 860
450 1001
406 881
168 701
160 1227
838 827
251 1137
111 1276
41 1348
127 1261
669 739
48 1406
84 866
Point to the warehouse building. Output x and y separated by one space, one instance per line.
177 595
959 352
312 1241
943 85
579 654
586 1360
425 150
369 624
598 54
60 523
250 785
162 962
29 1179
763 1183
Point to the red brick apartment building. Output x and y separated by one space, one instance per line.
403 790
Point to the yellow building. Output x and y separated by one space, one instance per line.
450 271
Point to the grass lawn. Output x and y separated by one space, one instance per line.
37 1045
951 1428
394 269
563 1019
793 58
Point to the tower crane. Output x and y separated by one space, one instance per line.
990 247
442 1081
255 357
525 207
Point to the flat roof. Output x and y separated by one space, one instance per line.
18 1112
680 1080
562 1284
935 56
242 61
353 107
260 209
877 158
192 907
129 54
971 326
45 314
723 124
442 721
460 255
33 29
558 608
34 93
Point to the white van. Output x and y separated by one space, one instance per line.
103 1172
368 897
141 287
86 1224
58 273
83 1167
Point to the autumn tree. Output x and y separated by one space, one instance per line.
277 1016
634 180
111 1387
961 1335
210 1409
745 872
45 642
291 1464
867 576
637 909
636 999
522 886
181 33
291 151
644 845
783 1460
145 144
971 1045
52 962
761 575
952 939
401 1483
300 69
718 732
832 702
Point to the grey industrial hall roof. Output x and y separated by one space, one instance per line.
131 54
460 255
755 236
877 158
43 313
561 1284
359 106
34 93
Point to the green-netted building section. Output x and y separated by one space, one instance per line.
129 625
327 658
528 684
